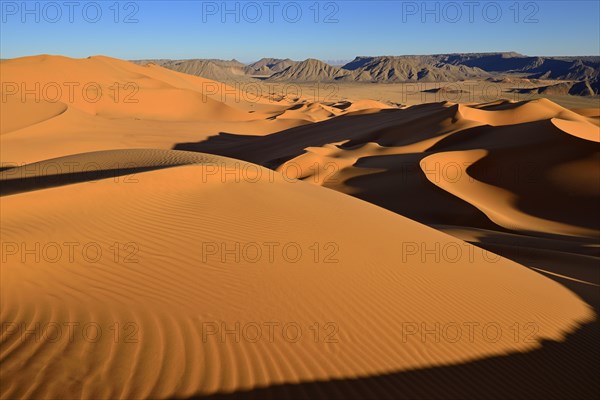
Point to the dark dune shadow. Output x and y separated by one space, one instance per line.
402 186
443 90
533 90
383 128
519 159
27 184
342 105
572 265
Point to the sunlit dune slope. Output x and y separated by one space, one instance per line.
54 106
161 263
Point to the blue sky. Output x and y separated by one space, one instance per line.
249 30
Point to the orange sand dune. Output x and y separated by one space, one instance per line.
508 113
510 172
14 114
176 287
101 103
133 269
524 179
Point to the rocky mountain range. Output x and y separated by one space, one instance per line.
583 71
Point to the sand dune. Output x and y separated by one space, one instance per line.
15 115
167 216
133 269
516 178
493 151
152 107
114 88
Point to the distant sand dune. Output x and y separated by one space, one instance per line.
151 107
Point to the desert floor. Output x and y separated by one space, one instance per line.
465 92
